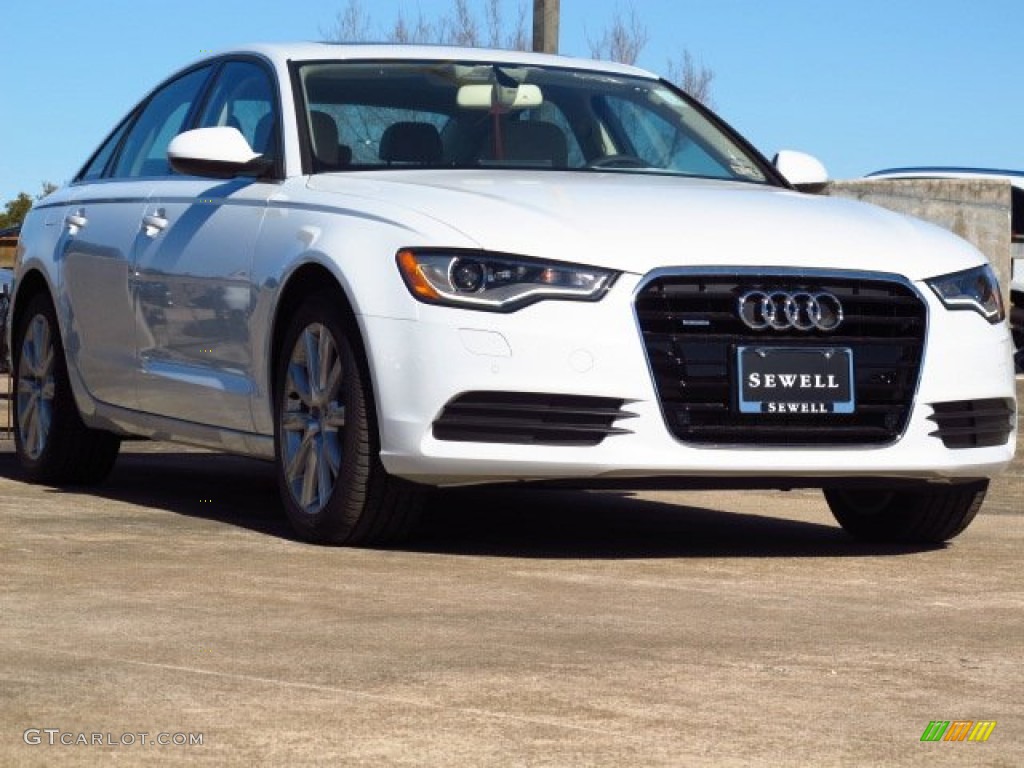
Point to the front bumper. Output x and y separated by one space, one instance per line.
595 349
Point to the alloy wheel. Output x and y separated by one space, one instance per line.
313 419
36 387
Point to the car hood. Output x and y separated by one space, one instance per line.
639 222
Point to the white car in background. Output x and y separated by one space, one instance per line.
385 268
1016 180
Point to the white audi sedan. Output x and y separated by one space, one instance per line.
387 268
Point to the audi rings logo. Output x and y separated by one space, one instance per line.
781 310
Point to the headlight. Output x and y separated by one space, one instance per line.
976 289
495 282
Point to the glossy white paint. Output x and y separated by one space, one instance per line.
221 144
800 169
667 223
1015 179
168 297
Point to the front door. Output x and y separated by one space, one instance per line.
192 278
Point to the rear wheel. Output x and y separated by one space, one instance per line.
928 515
52 442
333 485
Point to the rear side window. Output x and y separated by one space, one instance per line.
101 159
145 148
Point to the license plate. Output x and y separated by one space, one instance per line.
787 380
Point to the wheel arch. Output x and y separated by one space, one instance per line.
308 279
29 284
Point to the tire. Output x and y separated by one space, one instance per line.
53 444
327 452
929 515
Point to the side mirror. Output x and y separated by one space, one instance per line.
803 171
220 153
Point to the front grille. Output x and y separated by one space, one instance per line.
530 418
973 423
691 330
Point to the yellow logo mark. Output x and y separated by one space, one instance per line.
982 730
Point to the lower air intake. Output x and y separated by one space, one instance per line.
973 423
530 418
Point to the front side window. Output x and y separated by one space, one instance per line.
244 98
144 152
402 114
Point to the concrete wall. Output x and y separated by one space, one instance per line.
976 210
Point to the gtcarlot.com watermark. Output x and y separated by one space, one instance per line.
55 737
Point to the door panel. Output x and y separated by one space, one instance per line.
194 297
101 231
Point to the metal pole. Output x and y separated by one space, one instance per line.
545 26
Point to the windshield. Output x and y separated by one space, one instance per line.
404 114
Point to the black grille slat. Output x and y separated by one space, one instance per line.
530 418
973 423
482 408
691 329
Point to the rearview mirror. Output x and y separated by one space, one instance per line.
486 95
221 152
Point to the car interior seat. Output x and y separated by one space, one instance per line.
411 142
526 142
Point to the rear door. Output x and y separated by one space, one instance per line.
103 227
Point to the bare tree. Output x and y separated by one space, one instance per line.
418 32
352 25
515 38
622 40
461 26
518 38
692 76
492 15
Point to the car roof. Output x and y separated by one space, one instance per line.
282 53
1016 178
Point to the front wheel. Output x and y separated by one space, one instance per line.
52 442
332 483
926 515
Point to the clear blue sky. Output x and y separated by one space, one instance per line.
862 84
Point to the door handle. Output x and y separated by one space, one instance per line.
75 221
154 223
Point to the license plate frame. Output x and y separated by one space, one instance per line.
785 381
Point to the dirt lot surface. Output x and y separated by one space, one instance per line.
519 628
